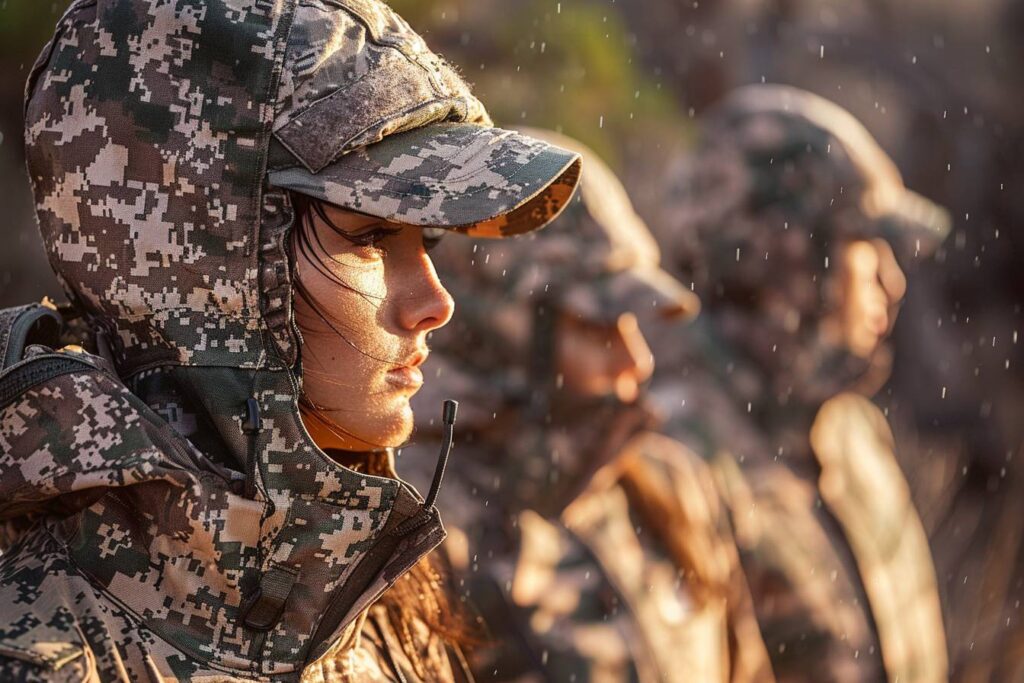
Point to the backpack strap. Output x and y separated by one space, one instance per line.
24 325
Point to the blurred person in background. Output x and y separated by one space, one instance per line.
793 223
238 199
592 547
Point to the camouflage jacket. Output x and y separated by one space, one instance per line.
130 555
595 590
168 516
832 546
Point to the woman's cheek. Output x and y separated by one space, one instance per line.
362 302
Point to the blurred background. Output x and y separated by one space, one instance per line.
939 85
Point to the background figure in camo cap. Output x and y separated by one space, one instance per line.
792 223
593 548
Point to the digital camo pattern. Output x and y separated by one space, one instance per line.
156 166
81 445
182 524
154 539
825 529
484 182
168 152
343 95
592 547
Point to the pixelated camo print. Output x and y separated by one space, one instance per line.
154 539
145 175
133 554
484 182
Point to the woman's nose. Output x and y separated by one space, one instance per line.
633 357
891 276
431 306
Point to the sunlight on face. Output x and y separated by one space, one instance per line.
597 360
366 297
871 287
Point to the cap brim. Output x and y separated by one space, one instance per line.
916 223
649 293
481 181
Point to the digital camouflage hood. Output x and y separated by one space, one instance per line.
168 515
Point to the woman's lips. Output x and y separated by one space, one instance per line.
405 377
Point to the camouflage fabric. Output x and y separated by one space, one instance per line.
169 515
593 548
340 96
484 182
835 553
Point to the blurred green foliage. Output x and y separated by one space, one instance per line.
570 66
25 26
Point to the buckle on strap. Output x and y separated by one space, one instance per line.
265 606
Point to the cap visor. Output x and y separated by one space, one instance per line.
916 223
649 293
484 182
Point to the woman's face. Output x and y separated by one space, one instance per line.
598 360
367 296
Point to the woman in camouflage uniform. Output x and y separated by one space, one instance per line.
593 547
789 218
232 195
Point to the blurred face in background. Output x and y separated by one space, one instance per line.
597 360
870 288
367 297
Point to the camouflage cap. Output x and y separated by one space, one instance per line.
483 181
780 178
360 76
608 259
599 262
794 142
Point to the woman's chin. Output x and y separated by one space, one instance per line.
370 431
391 430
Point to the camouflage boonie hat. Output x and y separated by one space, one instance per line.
379 124
609 258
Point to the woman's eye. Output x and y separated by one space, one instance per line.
372 242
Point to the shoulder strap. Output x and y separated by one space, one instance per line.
24 325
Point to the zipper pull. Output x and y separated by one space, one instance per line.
448 414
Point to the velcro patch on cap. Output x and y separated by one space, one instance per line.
387 99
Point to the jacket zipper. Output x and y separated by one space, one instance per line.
346 595
377 557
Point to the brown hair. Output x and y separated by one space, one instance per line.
422 596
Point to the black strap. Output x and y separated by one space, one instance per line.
25 325
266 605
19 380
